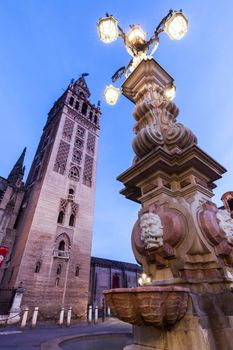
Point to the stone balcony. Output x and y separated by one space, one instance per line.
61 254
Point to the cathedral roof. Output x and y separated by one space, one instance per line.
114 264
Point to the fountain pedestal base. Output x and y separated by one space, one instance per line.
185 335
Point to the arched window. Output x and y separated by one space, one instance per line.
59 269
71 191
74 173
95 119
77 271
91 116
84 108
78 143
71 101
60 217
61 246
57 281
37 268
72 220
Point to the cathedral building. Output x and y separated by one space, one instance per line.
49 241
11 196
108 274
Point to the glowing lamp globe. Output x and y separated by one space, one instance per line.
107 29
170 92
176 27
136 36
111 94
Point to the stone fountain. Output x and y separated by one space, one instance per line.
182 240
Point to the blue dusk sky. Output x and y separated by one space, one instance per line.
44 44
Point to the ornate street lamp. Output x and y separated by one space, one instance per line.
111 94
174 24
108 29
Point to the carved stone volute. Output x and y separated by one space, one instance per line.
155 116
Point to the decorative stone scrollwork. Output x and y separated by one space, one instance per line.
217 226
179 135
147 139
151 230
226 223
156 123
169 113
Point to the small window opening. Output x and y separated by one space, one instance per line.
80 131
77 271
61 246
71 191
72 220
84 108
37 268
91 116
60 217
76 105
95 119
78 143
71 101
59 269
57 281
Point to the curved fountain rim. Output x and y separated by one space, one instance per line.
56 343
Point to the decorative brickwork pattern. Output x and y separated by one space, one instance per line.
74 208
63 204
88 170
68 129
91 144
62 155
81 119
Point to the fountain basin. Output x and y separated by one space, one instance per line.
148 305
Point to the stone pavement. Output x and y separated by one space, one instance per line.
12 337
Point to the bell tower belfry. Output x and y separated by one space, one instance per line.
51 256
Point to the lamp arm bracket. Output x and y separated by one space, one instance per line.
121 33
118 74
160 28
128 66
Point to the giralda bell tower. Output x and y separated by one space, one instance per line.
51 255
